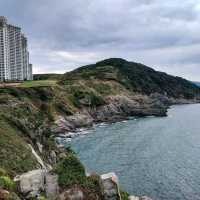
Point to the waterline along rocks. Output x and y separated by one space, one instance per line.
34 114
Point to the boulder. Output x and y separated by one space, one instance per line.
4 194
32 183
51 186
133 198
139 198
74 193
110 186
145 198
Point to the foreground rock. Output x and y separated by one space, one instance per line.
4 194
110 186
74 193
31 184
51 186
34 183
139 198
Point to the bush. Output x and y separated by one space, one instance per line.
70 171
124 195
90 98
13 196
7 183
42 198
3 172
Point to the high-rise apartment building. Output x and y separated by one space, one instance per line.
14 55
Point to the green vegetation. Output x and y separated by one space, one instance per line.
3 172
42 198
15 155
39 83
7 183
135 77
13 196
124 195
47 76
71 172
81 96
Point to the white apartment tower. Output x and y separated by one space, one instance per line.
14 55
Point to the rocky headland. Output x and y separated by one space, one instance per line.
34 166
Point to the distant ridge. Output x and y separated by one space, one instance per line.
52 76
197 83
135 77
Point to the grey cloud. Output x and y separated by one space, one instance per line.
65 34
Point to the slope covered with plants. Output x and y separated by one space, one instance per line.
135 77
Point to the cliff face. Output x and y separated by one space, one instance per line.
110 90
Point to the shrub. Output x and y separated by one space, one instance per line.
42 198
96 100
3 172
91 99
70 171
124 195
7 183
13 196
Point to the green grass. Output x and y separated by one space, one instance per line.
28 84
124 195
7 183
15 155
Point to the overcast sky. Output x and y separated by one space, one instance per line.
65 34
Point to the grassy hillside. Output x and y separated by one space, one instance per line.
15 154
135 77
25 118
38 83
47 76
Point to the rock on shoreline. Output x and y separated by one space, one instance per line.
34 183
117 108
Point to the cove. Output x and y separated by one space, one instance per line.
154 156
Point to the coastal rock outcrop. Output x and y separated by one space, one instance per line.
4 194
51 186
71 123
32 183
110 186
139 198
119 107
74 193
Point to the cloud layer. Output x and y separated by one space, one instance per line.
66 34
